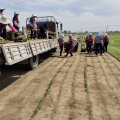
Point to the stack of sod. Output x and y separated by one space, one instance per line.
10 35
2 41
21 38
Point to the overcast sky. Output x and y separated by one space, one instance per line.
76 15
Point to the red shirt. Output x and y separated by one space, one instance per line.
91 39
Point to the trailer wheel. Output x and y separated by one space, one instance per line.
33 62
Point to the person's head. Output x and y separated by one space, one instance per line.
4 20
33 16
70 36
90 34
98 34
2 9
106 34
16 14
61 36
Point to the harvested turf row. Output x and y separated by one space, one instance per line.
111 102
46 92
112 92
60 90
102 110
64 104
22 98
78 111
86 78
48 107
72 116
112 71
47 104
111 58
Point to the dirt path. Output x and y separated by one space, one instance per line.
82 87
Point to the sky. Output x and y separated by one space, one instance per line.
76 15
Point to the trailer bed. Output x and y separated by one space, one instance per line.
15 52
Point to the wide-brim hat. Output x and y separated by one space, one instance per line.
33 15
16 13
4 19
1 8
90 34
70 35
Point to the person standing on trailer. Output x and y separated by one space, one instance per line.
90 43
33 26
98 43
61 43
106 42
43 26
71 46
4 30
3 23
16 23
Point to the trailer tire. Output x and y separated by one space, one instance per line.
33 62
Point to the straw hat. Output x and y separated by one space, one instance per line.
1 8
4 19
16 13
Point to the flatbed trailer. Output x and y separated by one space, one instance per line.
27 52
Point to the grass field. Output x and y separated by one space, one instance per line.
114 45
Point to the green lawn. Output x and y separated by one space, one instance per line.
114 45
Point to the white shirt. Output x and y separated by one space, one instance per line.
75 41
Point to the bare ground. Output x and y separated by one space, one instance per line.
82 87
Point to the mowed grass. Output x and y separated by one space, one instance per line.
114 45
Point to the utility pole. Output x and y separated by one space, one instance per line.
106 28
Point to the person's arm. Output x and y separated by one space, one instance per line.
30 23
46 26
102 41
16 24
91 39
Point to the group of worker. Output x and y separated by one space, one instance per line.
72 44
33 27
4 22
99 43
16 25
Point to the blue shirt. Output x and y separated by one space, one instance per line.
44 24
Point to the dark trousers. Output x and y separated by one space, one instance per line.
105 46
42 32
1 35
68 53
89 47
100 47
4 33
61 49
32 34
